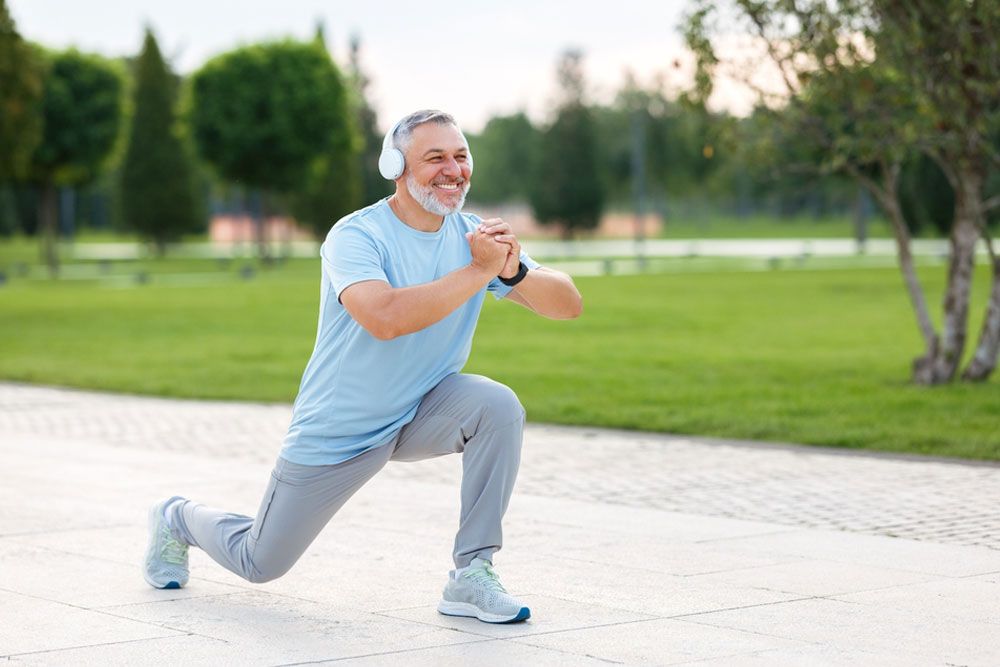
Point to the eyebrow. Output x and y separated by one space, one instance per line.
463 149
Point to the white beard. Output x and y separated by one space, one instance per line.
425 197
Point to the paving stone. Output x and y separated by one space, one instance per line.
87 581
32 625
658 642
819 656
814 577
286 630
632 587
193 650
925 635
549 614
971 598
946 560
492 653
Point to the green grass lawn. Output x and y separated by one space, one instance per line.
817 356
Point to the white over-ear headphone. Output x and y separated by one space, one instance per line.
391 162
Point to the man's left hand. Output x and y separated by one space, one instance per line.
503 233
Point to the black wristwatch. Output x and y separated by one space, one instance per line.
522 271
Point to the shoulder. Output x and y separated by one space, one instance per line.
466 222
361 232
368 221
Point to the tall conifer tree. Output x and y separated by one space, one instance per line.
158 187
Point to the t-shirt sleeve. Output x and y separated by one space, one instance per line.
498 289
350 255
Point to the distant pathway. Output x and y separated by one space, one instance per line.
798 486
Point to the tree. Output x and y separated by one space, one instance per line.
867 83
373 186
333 186
568 189
926 197
82 112
262 115
20 96
158 186
948 53
505 155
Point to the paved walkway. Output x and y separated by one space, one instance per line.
631 548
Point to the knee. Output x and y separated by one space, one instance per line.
265 574
501 406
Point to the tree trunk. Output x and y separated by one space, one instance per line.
260 231
985 359
48 226
964 235
887 196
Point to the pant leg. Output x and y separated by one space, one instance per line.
484 420
299 501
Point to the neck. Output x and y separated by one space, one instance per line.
413 214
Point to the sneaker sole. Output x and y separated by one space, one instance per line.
472 611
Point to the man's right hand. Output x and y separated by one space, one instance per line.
488 254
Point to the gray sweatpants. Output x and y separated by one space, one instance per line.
465 413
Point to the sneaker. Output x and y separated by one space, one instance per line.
166 563
477 592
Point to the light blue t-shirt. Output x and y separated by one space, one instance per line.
357 391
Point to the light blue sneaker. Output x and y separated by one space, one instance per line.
166 563
478 593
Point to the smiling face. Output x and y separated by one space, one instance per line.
438 168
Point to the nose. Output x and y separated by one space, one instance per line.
452 167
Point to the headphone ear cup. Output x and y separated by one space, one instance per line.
391 163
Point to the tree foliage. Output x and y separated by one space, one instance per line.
568 189
373 186
82 114
269 116
506 158
333 185
158 186
20 95
261 114
82 117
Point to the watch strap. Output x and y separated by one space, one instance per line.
522 271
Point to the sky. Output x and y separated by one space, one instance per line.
474 59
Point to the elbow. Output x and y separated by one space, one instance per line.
384 331
382 334
383 328
575 308
572 309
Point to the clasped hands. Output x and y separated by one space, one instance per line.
495 248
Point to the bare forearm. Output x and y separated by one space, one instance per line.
549 293
408 309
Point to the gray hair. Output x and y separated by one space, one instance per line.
403 133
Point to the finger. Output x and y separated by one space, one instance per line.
492 222
503 227
509 239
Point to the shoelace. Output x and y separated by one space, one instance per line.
172 551
487 577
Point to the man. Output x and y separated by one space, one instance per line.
403 283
